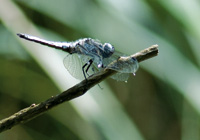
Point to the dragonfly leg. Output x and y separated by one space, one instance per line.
89 63
83 70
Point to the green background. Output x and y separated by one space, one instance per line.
162 102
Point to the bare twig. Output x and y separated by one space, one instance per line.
35 110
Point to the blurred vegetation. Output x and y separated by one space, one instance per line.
160 103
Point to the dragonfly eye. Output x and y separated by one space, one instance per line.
108 49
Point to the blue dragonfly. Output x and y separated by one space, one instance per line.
90 56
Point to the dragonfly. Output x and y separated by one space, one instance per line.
90 56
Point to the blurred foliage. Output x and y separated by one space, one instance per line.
160 103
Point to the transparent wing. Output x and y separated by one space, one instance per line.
120 76
123 67
74 63
127 65
112 58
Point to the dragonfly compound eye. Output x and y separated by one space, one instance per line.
108 49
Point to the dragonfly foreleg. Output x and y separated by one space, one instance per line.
88 64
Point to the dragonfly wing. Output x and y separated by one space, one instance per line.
74 66
129 65
74 63
122 67
112 58
120 76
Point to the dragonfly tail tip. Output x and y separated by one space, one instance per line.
20 35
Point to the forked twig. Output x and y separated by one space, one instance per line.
35 110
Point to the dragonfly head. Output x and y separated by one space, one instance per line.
108 50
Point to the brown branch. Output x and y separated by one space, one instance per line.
34 110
